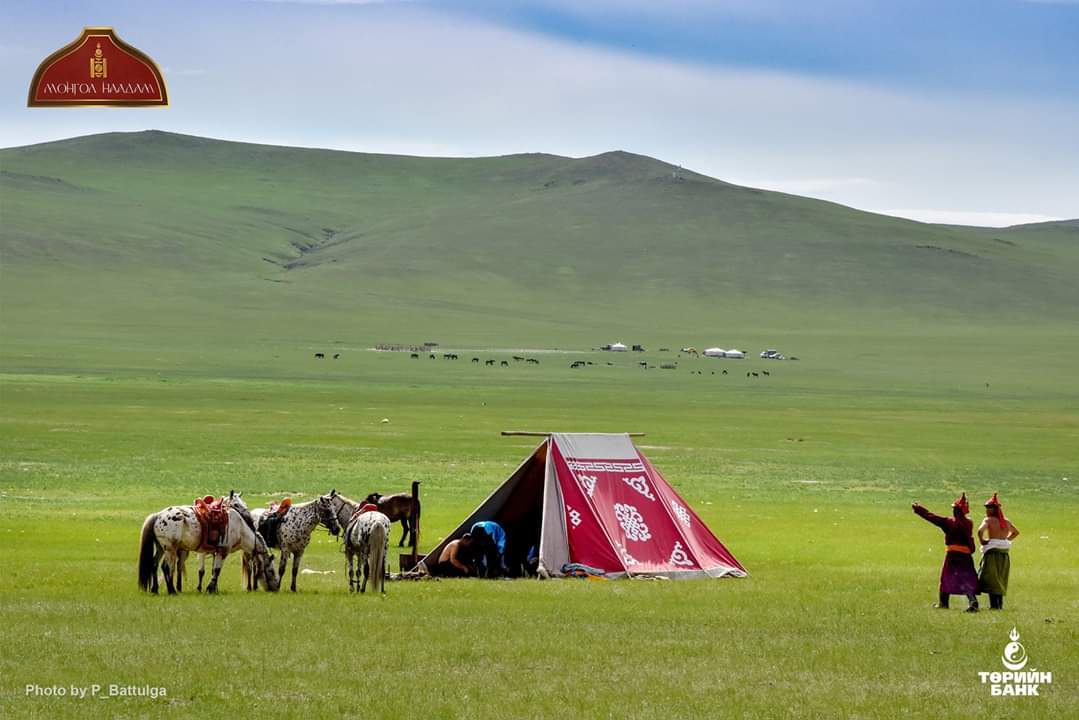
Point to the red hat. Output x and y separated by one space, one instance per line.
962 504
994 502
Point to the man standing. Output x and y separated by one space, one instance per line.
957 577
996 535
490 541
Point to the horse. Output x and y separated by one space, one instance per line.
249 570
398 507
343 508
296 528
368 535
170 534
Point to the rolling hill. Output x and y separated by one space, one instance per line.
154 237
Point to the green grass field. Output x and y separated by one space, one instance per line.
835 619
145 359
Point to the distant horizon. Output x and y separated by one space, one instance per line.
1034 221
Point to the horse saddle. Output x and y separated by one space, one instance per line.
271 521
366 507
213 517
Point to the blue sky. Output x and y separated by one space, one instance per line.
952 111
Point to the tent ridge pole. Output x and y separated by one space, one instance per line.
547 434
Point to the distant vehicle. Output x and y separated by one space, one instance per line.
772 354
638 348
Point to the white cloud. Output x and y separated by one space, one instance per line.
969 217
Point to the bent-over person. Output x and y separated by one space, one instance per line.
453 562
995 535
957 576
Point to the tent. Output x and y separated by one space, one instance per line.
736 354
596 500
618 347
715 352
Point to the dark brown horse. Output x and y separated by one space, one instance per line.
398 507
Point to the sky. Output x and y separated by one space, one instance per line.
961 111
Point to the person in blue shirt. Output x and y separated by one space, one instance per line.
489 540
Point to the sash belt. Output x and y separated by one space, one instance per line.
959 549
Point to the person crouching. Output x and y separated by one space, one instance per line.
455 557
957 576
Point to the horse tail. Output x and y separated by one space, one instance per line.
380 550
147 553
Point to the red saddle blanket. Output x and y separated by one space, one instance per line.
213 517
366 507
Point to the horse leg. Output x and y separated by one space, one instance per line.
281 565
218 562
202 569
351 576
365 564
157 561
404 530
295 568
181 568
166 569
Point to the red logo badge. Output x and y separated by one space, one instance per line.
98 69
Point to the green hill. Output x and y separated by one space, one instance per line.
176 240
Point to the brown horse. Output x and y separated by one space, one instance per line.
398 507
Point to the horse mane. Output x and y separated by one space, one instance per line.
243 512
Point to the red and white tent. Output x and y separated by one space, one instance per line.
596 500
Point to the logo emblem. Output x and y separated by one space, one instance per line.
98 68
1015 655
1014 681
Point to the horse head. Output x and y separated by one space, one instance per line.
327 512
372 498
265 569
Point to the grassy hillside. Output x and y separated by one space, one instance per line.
151 235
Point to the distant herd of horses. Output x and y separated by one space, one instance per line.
491 362
170 535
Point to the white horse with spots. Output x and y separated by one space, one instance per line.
368 535
169 535
249 570
296 528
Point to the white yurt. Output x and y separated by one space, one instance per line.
715 352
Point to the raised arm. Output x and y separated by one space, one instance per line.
937 520
1013 531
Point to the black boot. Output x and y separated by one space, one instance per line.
996 602
972 603
942 603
